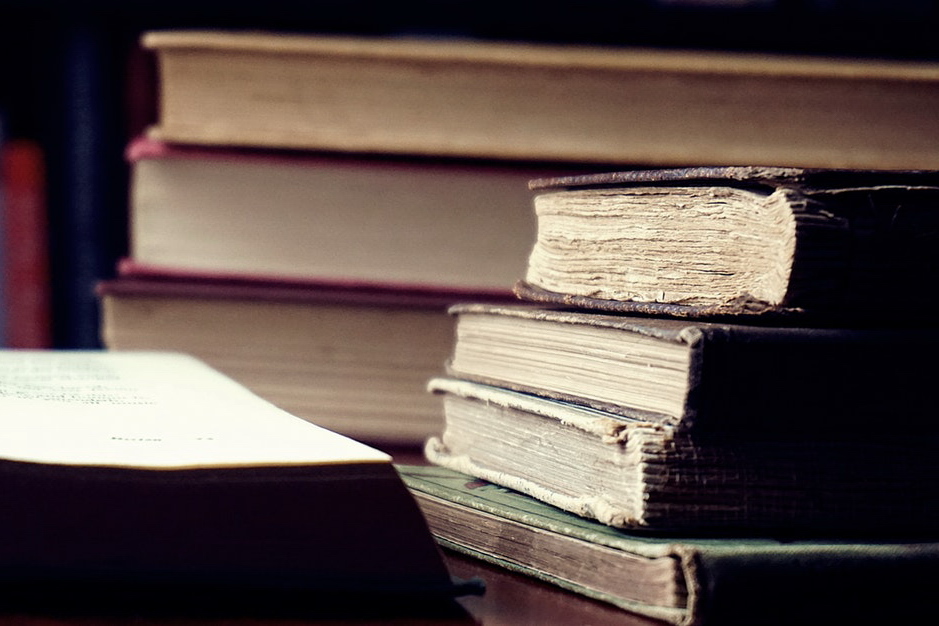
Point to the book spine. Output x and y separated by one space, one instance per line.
25 229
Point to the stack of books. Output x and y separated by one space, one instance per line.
713 401
316 274
306 207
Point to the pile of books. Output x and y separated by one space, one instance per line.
316 274
305 207
712 402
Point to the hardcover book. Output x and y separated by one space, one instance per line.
681 579
150 469
634 474
738 241
27 285
702 376
354 360
489 99
365 219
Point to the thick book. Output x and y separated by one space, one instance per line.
702 376
519 100
756 241
152 471
637 475
354 360
680 579
362 219
85 183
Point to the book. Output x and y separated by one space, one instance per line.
4 299
700 376
353 360
150 470
680 579
359 219
733 241
639 475
529 101
27 289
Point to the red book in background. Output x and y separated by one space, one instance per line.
28 322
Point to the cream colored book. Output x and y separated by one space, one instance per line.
416 223
153 471
702 376
354 361
633 474
515 100
840 245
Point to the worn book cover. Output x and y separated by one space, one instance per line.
828 245
351 358
680 579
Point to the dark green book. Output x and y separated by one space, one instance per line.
680 580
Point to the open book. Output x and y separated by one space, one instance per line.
152 469
640 475
697 375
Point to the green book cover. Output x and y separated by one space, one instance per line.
681 580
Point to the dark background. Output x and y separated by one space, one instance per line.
72 78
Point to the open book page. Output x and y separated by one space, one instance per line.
150 410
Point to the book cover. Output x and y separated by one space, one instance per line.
490 99
150 468
738 241
680 579
701 376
